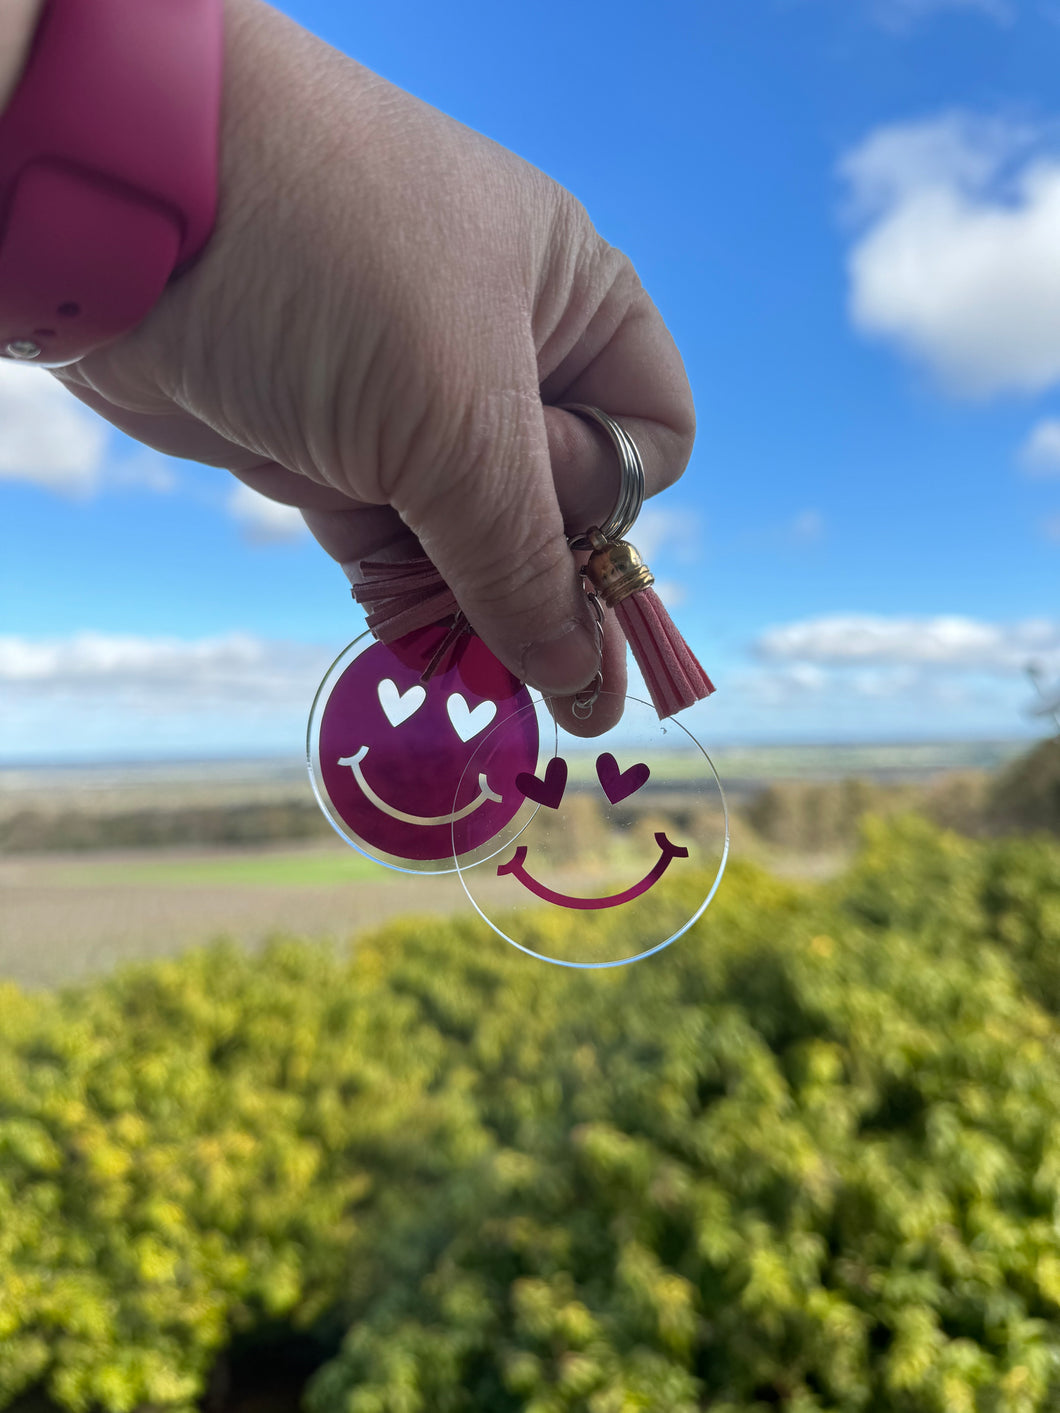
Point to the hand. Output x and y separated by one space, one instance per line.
378 332
18 22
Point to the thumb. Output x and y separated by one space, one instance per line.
490 521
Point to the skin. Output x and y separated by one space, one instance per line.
17 23
378 332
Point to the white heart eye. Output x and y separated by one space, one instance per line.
468 723
399 706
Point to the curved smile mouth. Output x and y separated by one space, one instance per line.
667 851
484 794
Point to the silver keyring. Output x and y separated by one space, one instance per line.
631 487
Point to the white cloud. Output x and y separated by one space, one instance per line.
672 593
47 437
664 538
264 521
851 678
112 696
807 527
902 15
1051 528
798 679
956 259
883 683
955 150
145 470
50 440
1040 453
948 643
659 533
783 686
161 675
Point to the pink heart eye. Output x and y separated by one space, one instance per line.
618 784
548 791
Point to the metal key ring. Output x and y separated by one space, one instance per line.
631 467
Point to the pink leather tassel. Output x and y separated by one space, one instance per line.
623 583
671 670
399 598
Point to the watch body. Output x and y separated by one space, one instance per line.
108 169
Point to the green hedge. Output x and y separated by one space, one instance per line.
808 1158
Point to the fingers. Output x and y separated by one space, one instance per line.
489 519
173 435
493 512
633 371
347 528
585 463
607 709
360 532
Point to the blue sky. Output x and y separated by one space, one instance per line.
848 211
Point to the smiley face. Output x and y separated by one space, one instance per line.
617 785
390 750
667 851
599 876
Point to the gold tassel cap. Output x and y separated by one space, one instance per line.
616 570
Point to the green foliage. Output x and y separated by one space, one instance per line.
1021 899
800 1163
183 1151
1026 796
808 1158
909 875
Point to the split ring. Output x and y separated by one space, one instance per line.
631 468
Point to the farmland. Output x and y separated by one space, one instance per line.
103 864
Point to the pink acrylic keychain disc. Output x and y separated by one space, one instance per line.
388 754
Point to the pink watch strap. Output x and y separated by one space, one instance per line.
108 169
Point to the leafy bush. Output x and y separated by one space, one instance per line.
801 1164
1021 899
808 1158
184 1152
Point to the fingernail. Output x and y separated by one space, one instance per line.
565 664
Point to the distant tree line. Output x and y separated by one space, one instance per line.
800 816
38 831
1023 798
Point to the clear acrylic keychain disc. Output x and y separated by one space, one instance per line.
618 848
388 754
